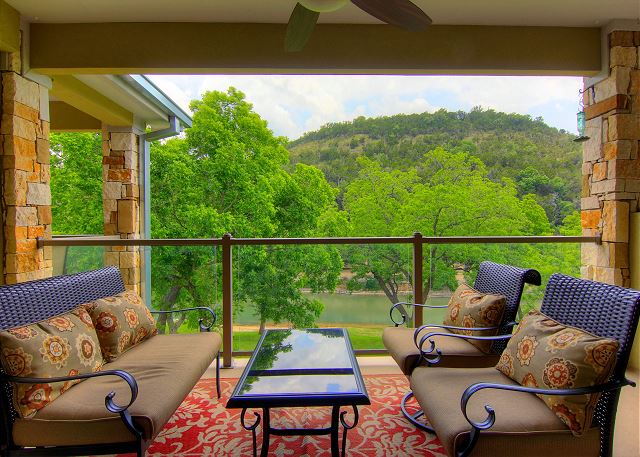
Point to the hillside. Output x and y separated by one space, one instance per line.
542 160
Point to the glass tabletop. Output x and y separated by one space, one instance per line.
314 365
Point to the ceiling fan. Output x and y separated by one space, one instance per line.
401 13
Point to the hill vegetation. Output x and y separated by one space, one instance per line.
541 160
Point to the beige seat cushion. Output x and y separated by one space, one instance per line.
456 352
524 425
166 368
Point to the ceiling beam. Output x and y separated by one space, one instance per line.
86 99
199 48
66 118
9 28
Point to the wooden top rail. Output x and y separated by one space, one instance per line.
110 241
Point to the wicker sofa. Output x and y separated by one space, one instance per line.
120 408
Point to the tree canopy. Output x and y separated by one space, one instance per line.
450 194
227 176
76 183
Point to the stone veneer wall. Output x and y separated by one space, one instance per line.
611 165
26 195
121 201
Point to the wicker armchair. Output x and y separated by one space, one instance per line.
119 409
448 349
495 416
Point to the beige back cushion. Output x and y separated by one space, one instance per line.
547 354
63 345
121 321
471 308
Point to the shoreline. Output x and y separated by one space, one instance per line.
378 293
255 328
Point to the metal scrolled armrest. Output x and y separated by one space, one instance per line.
448 327
403 312
491 418
428 354
111 405
204 327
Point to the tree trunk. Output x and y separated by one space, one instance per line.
389 291
161 323
175 323
432 268
262 326
168 301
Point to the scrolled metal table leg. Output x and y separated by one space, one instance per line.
335 430
218 373
347 427
266 432
251 428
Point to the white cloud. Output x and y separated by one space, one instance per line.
293 105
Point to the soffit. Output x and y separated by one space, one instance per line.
113 100
571 13
129 98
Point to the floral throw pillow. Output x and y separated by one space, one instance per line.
470 308
63 345
547 354
121 321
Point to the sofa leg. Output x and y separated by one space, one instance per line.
218 373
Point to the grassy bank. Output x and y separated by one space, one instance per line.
361 338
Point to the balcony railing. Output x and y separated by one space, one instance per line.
227 242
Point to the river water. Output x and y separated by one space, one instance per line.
353 309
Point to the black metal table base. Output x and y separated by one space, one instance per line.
337 419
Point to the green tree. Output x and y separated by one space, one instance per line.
228 175
373 202
449 195
76 195
76 183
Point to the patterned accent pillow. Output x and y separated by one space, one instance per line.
547 354
122 321
63 345
471 308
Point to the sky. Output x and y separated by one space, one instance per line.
293 105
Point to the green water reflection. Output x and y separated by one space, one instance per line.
353 309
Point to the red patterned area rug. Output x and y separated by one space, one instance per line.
202 426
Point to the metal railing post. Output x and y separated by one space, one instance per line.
417 277
227 301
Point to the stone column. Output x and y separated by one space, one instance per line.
611 166
121 200
26 194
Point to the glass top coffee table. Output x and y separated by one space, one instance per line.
298 368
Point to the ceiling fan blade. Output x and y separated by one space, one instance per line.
401 13
301 24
